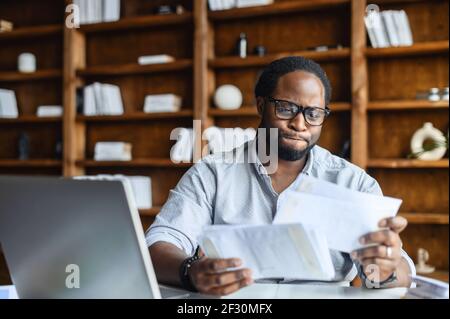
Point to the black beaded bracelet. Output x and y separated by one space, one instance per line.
185 280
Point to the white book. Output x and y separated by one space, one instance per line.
112 99
98 11
89 107
82 10
112 151
90 16
399 27
406 28
50 111
8 104
111 10
155 59
212 5
388 21
253 3
379 31
77 17
99 105
370 32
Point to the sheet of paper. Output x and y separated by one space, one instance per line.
272 251
8 292
342 221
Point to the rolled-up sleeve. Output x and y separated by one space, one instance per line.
188 209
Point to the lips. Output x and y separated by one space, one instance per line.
296 138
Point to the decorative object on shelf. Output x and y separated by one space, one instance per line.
323 48
260 50
102 99
433 95
155 59
27 62
112 151
8 104
431 151
162 103
59 150
252 3
24 146
170 9
345 150
242 45
226 139
422 258
444 94
141 186
49 111
96 11
228 97
6 26
182 150
389 28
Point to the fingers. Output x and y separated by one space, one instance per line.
383 264
211 281
396 224
213 266
228 289
380 251
385 237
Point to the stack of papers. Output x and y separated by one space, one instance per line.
162 103
155 59
112 151
428 288
50 111
272 251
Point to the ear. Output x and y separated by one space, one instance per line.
260 105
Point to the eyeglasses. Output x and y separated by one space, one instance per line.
285 110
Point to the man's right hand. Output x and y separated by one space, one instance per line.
211 276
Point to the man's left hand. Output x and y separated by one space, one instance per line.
386 255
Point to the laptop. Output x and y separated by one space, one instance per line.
65 238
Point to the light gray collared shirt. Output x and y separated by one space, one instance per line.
217 192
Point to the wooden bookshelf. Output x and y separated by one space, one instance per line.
373 103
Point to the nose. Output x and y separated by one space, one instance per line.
298 123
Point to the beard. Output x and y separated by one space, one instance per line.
285 152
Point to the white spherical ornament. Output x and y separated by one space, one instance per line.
228 97
428 132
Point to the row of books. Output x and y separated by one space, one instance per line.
388 28
95 11
102 99
215 5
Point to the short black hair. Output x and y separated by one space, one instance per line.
268 80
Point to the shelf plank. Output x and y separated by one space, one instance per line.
274 9
136 116
420 48
38 75
14 163
407 105
438 274
425 218
128 69
30 119
406 163
30 32
151 212
254 60
141 162
251 110
138 22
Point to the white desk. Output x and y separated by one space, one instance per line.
289 291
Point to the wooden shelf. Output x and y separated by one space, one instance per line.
14 163
253 60
407 163
138 22
136 116
128 69
407 105
38 75
142 162
251 110
416 49
274 9
30 119
425 218
151 212
30 32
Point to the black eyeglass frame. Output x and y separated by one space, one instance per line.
301 109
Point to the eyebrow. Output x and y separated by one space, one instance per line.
304 106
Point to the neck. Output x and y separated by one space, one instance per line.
290 168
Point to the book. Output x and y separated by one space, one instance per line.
111 100
49 111
252 3
112 151
407 34
111 10
89 108
8 104
155 59
389 25
162 103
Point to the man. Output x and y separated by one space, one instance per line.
292 96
